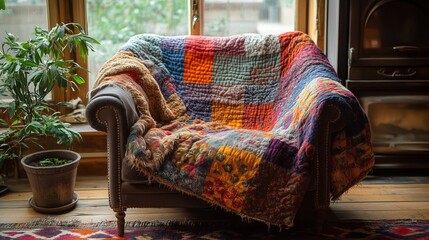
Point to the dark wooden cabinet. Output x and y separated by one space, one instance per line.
388 70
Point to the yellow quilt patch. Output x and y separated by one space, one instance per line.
230 115
229 177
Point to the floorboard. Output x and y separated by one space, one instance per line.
374 198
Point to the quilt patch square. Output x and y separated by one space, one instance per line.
255 94
273 192
264 70
291 46
259 116
176 57
228 94
201 51
200 44
200 73
262 45
230 46
231 70
227 114
174 44
229 176
198 100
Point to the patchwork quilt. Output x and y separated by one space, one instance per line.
234 120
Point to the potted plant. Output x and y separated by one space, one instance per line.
52 176
29 71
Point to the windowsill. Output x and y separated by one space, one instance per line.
84 128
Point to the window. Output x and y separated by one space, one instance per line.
228 17
107 24
20 18
181 17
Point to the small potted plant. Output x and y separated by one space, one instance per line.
29 71
52 176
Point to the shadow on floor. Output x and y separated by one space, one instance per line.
398 176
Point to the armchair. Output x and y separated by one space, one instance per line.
151 98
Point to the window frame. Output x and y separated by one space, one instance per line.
196 8
66 11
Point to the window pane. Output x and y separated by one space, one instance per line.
229 17
20 18
113 22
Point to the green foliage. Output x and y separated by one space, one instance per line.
114 22
29 71
47 162
142 16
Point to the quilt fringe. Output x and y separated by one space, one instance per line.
244 218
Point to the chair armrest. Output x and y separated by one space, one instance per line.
113 100
332 121
111 109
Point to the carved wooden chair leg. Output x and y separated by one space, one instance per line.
120 216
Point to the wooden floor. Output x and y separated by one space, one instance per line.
375 198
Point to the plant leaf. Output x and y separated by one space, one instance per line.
12 109
29 63
78 79
16 122
2 4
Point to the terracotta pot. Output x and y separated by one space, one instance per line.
53 187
